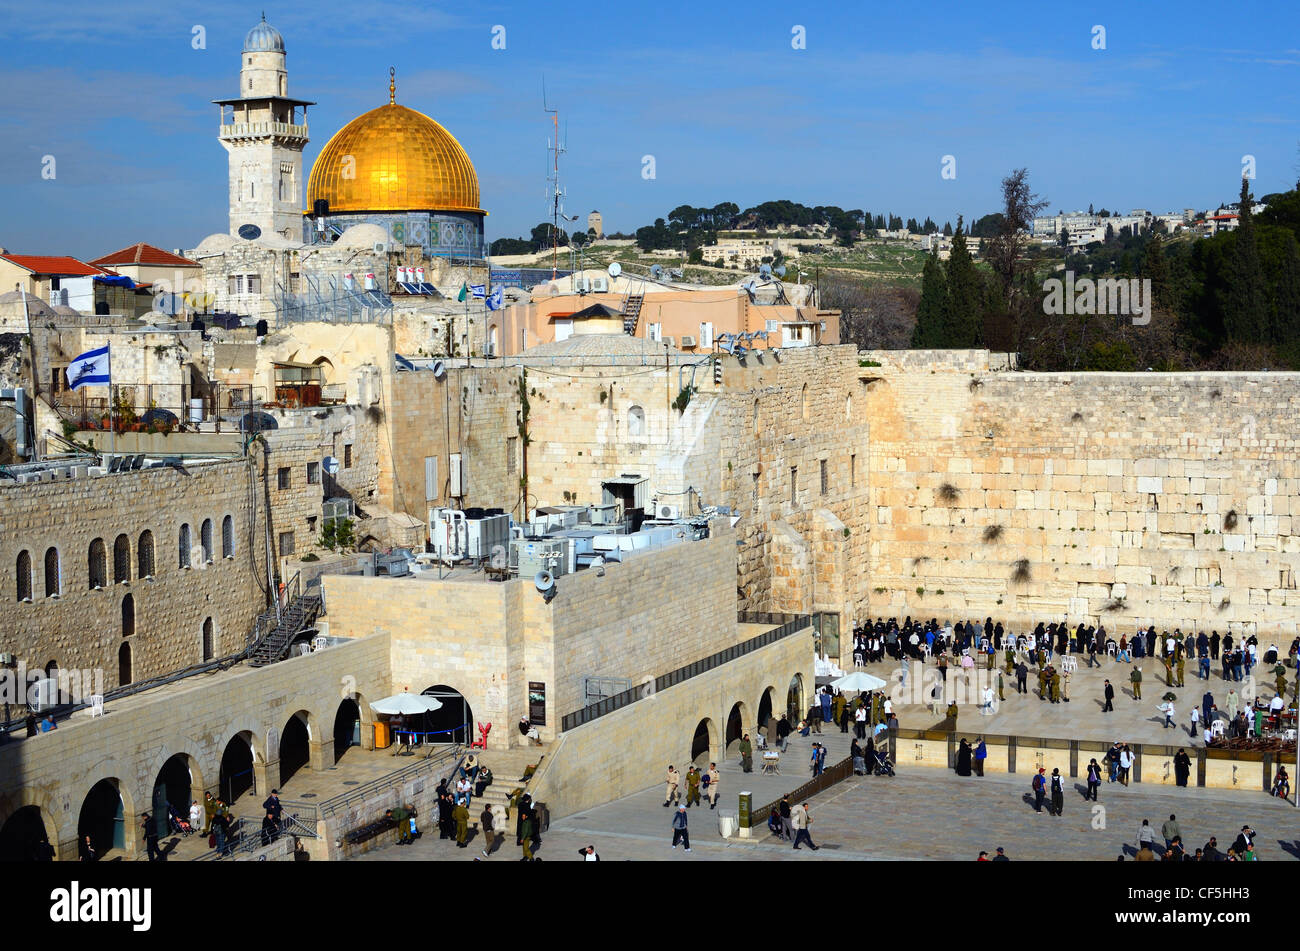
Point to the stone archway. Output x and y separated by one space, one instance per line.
348 727
704 743
738 724
295 745
178 782
24 832
105 812
765 706
454 722
236 775
795 700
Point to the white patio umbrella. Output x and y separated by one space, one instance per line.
859 681
405 703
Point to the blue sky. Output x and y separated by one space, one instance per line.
861 118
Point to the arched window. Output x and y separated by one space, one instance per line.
758 425
128 615
208 646
97 570
848 407
124 665
144 555
205 539
24 572
121 559
804 400
227 537
183 546
53 573
636 421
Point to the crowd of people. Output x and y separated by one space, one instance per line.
1173 849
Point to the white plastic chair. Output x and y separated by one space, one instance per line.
1112 648
96 704
1219 728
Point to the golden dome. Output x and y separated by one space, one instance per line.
393 159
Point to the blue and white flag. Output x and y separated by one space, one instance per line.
90 369
478 290
495 301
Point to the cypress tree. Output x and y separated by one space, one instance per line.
964 322
1156 270
931 311
1247 313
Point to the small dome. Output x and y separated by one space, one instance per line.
264 38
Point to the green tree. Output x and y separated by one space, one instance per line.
964 321
1155 269
1248 310
932 311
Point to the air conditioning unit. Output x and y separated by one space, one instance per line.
96 470
381 247
25 477
600 284
79 472
668 511
671 341
687 341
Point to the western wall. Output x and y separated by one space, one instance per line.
1121 499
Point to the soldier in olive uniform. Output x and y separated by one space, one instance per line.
1182 663
692 787
1135 678
460 816
746 754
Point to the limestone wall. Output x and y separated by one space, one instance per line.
658 611
83 628
628 750
1112 498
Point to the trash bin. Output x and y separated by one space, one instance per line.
728 822
382 737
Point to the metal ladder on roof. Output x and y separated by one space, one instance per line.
632 313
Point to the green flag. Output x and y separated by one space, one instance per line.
464 292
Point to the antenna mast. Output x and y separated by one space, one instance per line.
555 193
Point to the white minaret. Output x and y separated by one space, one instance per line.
264 132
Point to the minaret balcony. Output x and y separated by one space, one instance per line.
259 130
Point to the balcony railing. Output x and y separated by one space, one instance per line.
247 130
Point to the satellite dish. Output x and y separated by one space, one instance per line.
439 369
250 232
780 270
656 271
614 269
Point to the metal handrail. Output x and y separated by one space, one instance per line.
791 624
332 806
836 773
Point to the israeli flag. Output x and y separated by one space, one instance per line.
497 299
90 369
478 290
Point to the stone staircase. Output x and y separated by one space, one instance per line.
507 768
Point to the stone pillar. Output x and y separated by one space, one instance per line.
262 773
320 754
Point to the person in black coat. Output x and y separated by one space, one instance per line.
1182 767
963 759
85 851
446 825
1109 693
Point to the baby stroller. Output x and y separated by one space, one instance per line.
178 825
883 766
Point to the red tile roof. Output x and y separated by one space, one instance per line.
144 254
51 264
